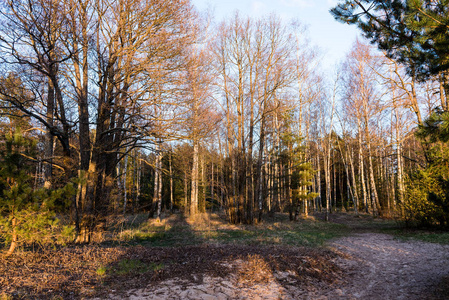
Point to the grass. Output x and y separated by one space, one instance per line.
303 233
116 265
438 237
101 271
128 266
205 228
175 230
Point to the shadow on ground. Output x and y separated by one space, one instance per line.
141 253
189 250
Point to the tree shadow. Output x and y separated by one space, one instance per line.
180 249
361 222
186 250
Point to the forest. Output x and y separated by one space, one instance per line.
114 110
122 107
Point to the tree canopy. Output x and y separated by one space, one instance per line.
413 32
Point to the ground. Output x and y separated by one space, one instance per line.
364 264
369 266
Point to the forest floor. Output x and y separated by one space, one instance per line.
214 260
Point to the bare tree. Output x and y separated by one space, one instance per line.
363 101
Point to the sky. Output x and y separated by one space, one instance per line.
333 38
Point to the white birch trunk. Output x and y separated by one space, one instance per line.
354 182
361 168
194 189
375 198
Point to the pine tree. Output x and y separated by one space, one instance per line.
412 32
301 172
26 214
428 189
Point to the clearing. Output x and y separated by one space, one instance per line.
348 258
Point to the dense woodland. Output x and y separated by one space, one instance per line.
129 106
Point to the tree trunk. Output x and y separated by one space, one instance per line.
202 205
259 172
334 185
306 206
375 197
354 182
159 187
157 196
194 189
186 206
444 90
401 188
361 169
125 188
352 191
49 136
328 183
212 186
319 198
171 181
14 237
289 184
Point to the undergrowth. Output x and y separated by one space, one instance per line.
434 236
212 228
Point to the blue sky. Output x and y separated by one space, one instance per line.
333 38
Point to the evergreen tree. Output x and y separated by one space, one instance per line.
428 201
301 171
26 214
413 32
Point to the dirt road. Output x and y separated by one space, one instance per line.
382 267
375 266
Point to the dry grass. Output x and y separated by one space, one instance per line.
147 251
64 272
92 271
254 269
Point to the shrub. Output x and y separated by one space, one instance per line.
26 214
427 194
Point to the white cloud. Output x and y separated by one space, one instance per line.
298 3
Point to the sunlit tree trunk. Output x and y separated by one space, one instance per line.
125 188
171 180
138 180
319 204
157 198
276 171
375 197
328 184
361 168
48 168
212 185
352 189
194 188
202 205
369 197
334 185
260 165
159 192
186 206
354 181
14 237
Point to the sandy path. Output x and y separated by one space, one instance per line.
377 267
385 268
